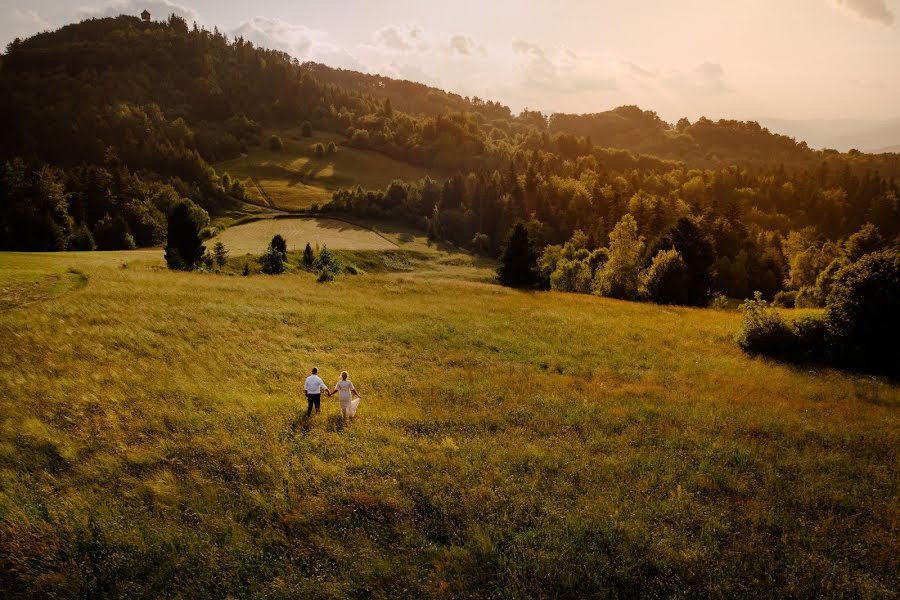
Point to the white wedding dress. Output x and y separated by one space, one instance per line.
345 395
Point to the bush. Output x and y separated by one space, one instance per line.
309 258
272 262
786 299
306 129
571 276
863 312
763 331
327 265
279 244
666 281
275 143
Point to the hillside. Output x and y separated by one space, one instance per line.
294 178
508 444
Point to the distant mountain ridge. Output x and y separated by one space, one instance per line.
865 135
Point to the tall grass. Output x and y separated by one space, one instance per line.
509 445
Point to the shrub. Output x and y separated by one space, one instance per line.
571 276
763 331
666 281
279 244
863 311
327 265
360 138
306 129
309 258
786 298
272 262
275 143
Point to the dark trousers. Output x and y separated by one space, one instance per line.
313 400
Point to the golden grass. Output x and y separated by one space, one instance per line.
253 237
294 179
509 444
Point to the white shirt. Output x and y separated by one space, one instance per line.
314 385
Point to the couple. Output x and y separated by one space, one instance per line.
314 386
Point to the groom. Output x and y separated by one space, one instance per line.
313 387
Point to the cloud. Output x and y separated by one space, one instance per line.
159 9
872 10
560 69
400 39
706 79
28 22
463 45
299 41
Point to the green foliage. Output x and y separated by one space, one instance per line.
518 260
667 280
184 246
279 244
309 258
220 255
764 331
863 311
571 276
865 241
619 276
326 265
275 143
272 261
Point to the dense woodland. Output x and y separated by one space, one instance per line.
112 123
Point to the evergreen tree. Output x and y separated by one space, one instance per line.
518 258
279 244
309 258
184 246
220 254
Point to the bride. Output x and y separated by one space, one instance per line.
345 390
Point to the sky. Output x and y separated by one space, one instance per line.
742 59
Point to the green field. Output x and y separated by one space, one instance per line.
509 445
294 179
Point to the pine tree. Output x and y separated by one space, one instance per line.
184 246
518 259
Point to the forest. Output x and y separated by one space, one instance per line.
146 109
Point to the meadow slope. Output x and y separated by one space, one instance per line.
294 178
509 444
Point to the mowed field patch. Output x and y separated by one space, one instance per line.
295 179
252 238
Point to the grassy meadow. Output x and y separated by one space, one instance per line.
252 237
294 179
509 444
